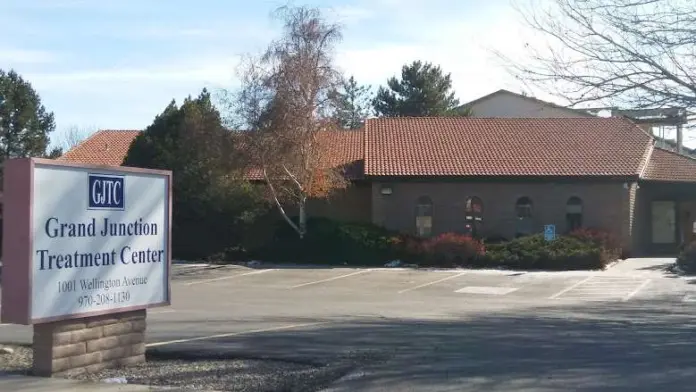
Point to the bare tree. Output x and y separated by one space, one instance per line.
72 136
620 53
285 104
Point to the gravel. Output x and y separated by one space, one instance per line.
206 371
225 372
17 362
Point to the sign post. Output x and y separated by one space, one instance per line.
549 232
86 250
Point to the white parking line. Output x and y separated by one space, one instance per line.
331 279
226 335
161 311
636 291
229 277
567 289
486 290
431 283
687 298
190 265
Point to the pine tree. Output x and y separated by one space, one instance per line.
211 200
423 90
353 103
25 124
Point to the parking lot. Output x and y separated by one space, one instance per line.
385 329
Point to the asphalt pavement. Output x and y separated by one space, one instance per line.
628 328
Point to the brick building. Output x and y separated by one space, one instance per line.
503 176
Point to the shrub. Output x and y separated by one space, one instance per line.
686 260
333 242
600 238
330 242
451 249
534 252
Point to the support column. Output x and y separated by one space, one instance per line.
89 344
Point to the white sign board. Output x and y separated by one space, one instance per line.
99 241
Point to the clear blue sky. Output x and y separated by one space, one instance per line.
117 63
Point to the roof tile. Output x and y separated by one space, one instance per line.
467 146
344 151
105 147
666 165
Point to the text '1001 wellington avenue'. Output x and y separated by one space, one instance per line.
83 240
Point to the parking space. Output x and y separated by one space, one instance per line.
603 288
538 287
409 325
185 273
299 278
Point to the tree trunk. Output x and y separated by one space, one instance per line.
303 220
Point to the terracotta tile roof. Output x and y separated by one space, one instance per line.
344 150
467 146
106 147
666 165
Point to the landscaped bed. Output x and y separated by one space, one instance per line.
357 244
217 371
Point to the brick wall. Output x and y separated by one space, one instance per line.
89 344
352 204
605 205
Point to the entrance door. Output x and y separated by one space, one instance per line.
664 222
687 221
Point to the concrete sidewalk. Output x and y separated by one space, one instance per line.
42 384
646 266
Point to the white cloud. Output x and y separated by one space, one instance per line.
349 14
15 57
205 71
76 4
130 96
167 33
462 48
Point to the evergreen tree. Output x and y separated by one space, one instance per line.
423 90
55 152
25 124
211 201
353 103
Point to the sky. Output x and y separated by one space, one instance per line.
116 64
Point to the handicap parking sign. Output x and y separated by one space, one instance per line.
549 232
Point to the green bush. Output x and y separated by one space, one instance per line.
340 243
535 253
686 260
331 242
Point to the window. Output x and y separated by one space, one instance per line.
574 213
523 207
474 209
474 216
424 216
523 211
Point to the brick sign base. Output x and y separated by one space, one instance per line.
89 344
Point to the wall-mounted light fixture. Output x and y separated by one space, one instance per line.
386 190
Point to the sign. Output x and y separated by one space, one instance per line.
106 192
82 241
549 232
